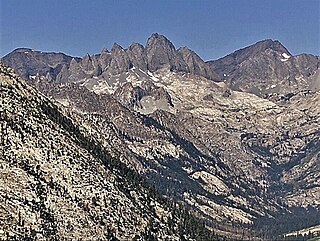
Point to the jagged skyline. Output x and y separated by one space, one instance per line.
210 28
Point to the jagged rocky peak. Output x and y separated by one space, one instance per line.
116 47
120 61
136 47
75 71
186 51
86 57
195 64
161 53
104 53
160 40
258 48
74 65
87 63
138 56
104 50
104 58
269 44
191 58
63 75
246 69
158 53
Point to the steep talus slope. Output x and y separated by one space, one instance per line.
59 183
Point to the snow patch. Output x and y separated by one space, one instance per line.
285 57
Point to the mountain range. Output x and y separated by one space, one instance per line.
236 140
263 68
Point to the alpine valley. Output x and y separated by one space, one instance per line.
153 143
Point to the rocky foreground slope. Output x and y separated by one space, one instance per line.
57 182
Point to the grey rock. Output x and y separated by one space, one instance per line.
87 63
137 55
63 75
120 61
29 62
129 96
75 71
264 68
104 58
158 93
196 65
315 83
161 53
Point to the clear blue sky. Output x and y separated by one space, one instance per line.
212 28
